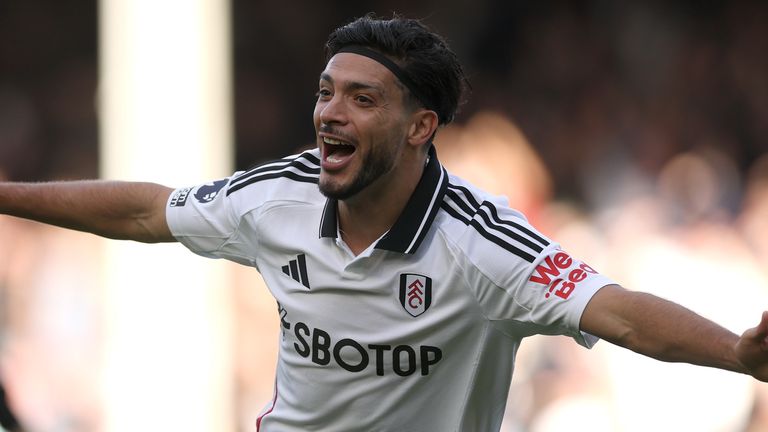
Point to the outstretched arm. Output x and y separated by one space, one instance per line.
667 331
118 210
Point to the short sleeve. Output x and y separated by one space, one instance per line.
207 221
556 292
525 283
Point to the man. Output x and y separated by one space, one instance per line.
404 292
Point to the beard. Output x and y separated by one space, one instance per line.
376 163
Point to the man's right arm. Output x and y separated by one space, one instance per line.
113 209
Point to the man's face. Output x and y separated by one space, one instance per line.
361 124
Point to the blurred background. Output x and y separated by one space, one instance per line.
634 133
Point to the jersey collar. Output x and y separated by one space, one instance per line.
412 225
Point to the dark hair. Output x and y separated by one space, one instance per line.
423 55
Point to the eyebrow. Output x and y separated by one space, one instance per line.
354 85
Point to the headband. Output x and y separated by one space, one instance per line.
392 66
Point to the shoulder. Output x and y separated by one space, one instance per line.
493 238
292 178
299 168
480 217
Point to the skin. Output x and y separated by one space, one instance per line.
112 209
360 103
669 332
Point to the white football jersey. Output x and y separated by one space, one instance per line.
418 332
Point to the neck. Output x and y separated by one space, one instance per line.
372 212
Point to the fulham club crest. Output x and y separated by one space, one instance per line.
415 293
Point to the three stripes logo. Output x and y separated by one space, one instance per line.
297 269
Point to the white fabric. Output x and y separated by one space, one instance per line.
353 356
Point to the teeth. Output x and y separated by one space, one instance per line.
335 146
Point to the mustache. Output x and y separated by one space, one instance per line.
326 128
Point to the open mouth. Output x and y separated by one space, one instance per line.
336 151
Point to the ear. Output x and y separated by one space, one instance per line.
423 125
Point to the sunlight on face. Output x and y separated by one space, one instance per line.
360 123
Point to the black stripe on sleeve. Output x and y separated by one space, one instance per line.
487 234
303 168
305 158
287 174
460 202
467 202
467 195
495 215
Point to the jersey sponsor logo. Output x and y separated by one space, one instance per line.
415 293
318 345
552 273
297 269
179 197
206 193
353 356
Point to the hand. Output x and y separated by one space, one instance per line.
752 350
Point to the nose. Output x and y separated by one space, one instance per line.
332 110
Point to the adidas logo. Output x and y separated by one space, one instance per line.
297 269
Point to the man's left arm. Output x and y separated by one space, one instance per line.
669 332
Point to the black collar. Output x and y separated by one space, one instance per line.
412 225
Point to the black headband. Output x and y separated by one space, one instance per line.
392 66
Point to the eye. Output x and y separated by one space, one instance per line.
323 93
363 100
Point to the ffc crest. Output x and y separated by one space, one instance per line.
415 293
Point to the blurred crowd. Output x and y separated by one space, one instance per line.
635 134
674 238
